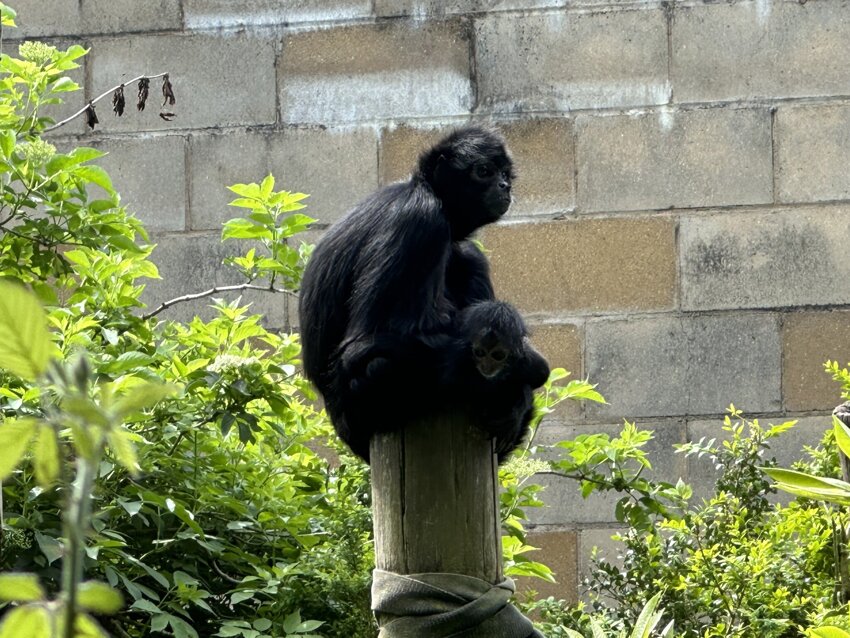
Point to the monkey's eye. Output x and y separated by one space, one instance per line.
499 355
478 353
484 171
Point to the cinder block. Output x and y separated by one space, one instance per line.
544 154
436 8
785 448
566 60
674 159
812 153
150 174
765 260
564 503
206 14
542 151
130 16
557 549
750 50
400 147
809 339
336 168
561 345
585 265
191 263
218 79
672 366
372 72
37 18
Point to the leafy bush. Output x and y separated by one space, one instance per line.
735 565
241 523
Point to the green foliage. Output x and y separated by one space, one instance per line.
822 488
183 462
733 565
841 375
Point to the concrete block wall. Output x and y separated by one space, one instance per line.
681 221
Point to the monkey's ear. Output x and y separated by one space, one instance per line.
440 169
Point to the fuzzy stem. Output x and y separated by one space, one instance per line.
75 524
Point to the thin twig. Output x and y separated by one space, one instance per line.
100 97
213 291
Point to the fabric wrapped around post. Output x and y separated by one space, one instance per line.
446 606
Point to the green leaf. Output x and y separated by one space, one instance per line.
648 618
25 345
95 175
805 481
596 628
99 598
308 625
291 622
144 395
240 596
828 632
123 449
15 436
65 85
8 15
241 228
49 546
842 435
146 605
809 486
30 621
22 588
46 456
181 628
246 202
76 157
86 627
245 190
267 186
126 361
7 142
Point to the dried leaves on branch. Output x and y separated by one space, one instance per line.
144 87
119 101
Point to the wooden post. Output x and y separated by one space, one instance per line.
435 500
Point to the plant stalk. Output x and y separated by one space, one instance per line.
75 525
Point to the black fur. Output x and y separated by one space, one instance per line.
398 315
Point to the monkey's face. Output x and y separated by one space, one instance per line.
491 354
492 179
477 193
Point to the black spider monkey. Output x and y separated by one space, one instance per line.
398 315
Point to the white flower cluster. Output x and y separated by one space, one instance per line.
525 466
37 52
38 152
225 362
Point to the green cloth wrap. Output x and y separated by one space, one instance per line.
446 606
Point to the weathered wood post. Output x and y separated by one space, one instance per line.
435 506
434 496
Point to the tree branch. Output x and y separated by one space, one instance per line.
100 97
212 291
